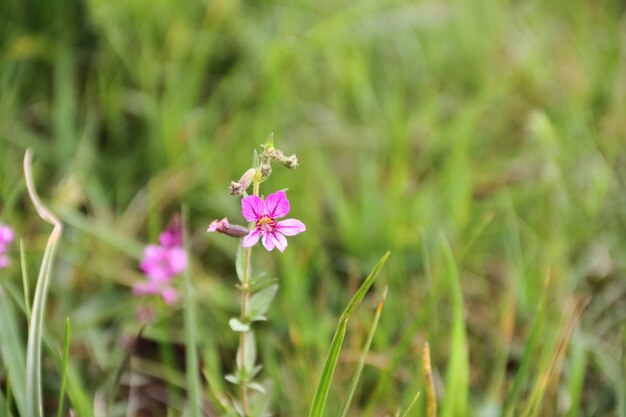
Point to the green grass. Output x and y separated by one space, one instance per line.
481 142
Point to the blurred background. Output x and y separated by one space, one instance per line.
481 142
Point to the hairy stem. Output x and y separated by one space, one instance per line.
245 295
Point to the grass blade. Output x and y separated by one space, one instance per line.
66 356
34 407
457 377
191 329
357 374
532 342
25 280
411 404
12 352
4 406
323 386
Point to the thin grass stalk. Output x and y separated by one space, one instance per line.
25 280
12 351
34 406
359 370
431 396
4 408
66 357
191 330
412 404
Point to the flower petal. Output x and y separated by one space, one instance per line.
6 234
290 227
217 225
145 288
251 239
177 259
280 241
268 242
252 208
277 205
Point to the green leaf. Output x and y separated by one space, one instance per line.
323 386
257 387
260 302
249 355
233 379
261 400
237 326
239 260
259 285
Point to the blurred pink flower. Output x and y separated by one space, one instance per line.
264 214
6 237
151 287
173 235
163 262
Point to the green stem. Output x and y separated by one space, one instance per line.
245 296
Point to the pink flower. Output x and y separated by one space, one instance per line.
151 287
264 214
173 235
6 237
161 263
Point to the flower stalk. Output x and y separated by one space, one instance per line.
245 295
265 227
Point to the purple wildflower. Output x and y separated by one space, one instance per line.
173 235
264 214
6 237
161 263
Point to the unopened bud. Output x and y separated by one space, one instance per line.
222 226
239 187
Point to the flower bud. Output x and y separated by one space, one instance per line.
222 226
239 187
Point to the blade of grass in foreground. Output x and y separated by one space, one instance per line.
66 357
12 351
193 383
34 407
323 386
357 373
25 280
457 376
